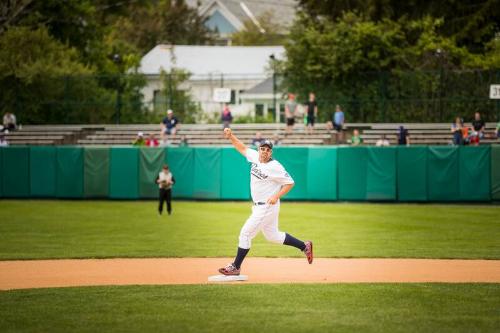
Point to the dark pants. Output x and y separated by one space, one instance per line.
457 138
165 195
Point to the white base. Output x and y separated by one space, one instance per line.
227 278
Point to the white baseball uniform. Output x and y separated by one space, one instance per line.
266 179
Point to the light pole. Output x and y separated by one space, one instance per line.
273 66
439 55
118 60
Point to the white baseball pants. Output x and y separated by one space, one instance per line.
264 218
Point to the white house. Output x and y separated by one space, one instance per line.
239 68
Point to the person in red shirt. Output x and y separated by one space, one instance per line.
151 141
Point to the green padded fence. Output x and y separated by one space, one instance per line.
495 172
1 173
124 173
96 172
181 163
43 171
443 174
352 166
151 161
474 173
295 162
69 172
207 173
235 175
381 173
412 173
321 173
16 172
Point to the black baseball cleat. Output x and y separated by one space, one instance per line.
309 251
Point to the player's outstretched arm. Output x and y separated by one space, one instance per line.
240 146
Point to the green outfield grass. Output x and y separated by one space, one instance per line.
255 308
98 229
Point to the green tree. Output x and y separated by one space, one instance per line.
175 98
472 23
269 33
44 82
162 22
364 64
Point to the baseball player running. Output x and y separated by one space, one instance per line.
269 181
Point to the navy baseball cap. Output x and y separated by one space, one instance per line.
266 143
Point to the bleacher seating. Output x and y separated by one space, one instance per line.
207 135
211 134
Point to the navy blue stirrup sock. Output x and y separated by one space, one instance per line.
242 253
292 241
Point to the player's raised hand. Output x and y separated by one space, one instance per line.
227 133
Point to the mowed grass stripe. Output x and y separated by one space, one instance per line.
255 308
38 229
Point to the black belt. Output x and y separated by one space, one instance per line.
259 203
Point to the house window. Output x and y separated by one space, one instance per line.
159 102
233 97
259 110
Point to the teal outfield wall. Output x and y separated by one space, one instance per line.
418 173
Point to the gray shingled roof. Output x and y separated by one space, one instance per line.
282 10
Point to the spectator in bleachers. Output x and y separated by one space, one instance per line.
290 113
139 140
152 141
356 139
403 136
478 125
337 123
226 117
169 126
3 140
183 142
257 139
457 130
312 112
9 122
383 142
276 140
497 130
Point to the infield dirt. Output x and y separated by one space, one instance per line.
151 271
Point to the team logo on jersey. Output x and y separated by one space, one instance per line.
257 172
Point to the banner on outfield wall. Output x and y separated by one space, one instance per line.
405 174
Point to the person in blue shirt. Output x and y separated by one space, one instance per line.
337 123
169 126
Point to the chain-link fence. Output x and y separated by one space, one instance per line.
418 96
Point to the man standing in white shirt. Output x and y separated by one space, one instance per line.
269 181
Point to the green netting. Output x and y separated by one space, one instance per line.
69 172
1 172
381 173
474 173
151 161
124 173
294 160
495 172
96 172
16 172
412 173
207 173
352 167
235 175
443 175
43 168
322 174
181 162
